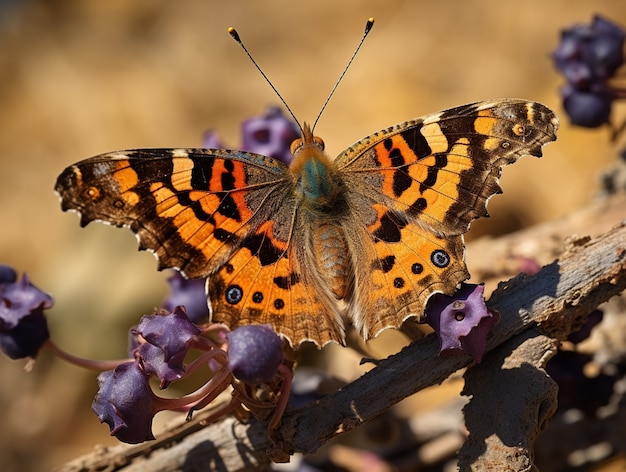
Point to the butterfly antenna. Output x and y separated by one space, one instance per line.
233 32
368 27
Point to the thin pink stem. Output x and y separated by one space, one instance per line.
204 395
283 399
97 365
217 354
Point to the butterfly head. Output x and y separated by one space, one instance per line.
307 142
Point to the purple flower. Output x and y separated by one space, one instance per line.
463 321
124 402
211 140
153 362
254 353
170 337
590 52
270 135
23 326
189 293
588 56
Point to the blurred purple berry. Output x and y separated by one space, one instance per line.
594 318
254 353
189 293
124 402
23 326
211 140
270 135
576 390
586 108
463 321
529 265
170 334
7 274
588 56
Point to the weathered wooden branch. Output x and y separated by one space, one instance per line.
537 311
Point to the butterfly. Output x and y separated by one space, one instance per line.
311 247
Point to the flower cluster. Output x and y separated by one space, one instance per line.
588 56
248 359
126 402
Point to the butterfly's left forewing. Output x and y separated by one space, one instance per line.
191 207
413 190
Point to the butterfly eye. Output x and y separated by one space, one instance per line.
295 145
319 142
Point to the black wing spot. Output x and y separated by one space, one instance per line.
390 225
398 282
223 235
386 264
260 245
282 282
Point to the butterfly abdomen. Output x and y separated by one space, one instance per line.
331 254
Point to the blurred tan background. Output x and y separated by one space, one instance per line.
78 78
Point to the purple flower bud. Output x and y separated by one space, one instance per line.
124 402
270 135
7 274
23 326
189 293
211 140
587 109
254 353
463 321
171 334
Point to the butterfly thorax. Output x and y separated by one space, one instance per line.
318 188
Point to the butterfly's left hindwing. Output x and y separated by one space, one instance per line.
190 207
